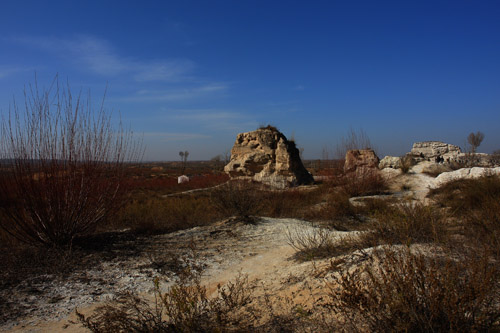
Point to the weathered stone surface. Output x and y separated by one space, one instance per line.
393 162
265 155
464 173
361 159
434 151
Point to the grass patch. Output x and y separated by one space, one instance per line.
362 183
154 214
407 223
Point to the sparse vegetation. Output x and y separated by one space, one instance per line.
241 199
63 167
369 182
406 163
320 242
407 291
185 307
407 223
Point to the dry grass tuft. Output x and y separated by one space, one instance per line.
407 223
362 183
185 307
320 242
238 198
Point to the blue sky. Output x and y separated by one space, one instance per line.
190 75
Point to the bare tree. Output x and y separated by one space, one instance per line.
62 166
184 156
475 139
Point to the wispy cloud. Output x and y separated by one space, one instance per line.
99 56
147 95
168 136
220 120
207 115
9 71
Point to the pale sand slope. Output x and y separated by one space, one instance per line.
260 251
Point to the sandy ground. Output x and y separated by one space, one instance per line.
259 251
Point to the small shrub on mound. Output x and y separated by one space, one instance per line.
238 198
406 163
337 211
409 292
318 242
362 183
407 223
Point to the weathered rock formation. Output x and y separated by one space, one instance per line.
434 151
465 173
393 162
265 155
361 159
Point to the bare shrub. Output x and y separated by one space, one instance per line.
364 182
482 226
407 223
337 212
495 157
372 206
464 195
238 198
406 163
62 167
185 307
319 242
288 203
411 292
475 205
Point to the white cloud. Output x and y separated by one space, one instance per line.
190 93
99 56
9 71
168 136
163 71
204 116
219 120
